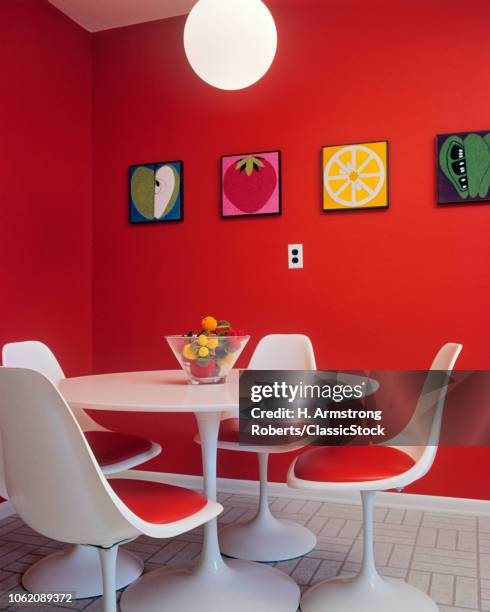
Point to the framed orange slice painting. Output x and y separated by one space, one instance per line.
355 176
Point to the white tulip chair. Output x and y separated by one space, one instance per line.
266 538
368 469
58 489
76 569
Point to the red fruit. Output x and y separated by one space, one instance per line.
234 343
231 332
249 183
221 331
203 372
179 344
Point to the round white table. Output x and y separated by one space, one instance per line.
210 585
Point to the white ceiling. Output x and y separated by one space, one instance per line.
96 15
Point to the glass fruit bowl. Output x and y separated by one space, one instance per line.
207 358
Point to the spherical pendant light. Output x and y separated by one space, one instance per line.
230 44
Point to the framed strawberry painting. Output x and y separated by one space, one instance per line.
251 184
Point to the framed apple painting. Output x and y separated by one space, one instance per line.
251 184
155 192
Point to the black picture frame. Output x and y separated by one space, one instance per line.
143 220
356 208
446 192
279 185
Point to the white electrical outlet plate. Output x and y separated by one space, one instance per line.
295 255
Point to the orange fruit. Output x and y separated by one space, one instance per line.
212 343
188 353
209 323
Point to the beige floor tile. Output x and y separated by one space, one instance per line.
445 555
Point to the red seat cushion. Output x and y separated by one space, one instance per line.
111 447
351 463
229 430
156 502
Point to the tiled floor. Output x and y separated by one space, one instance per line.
447 556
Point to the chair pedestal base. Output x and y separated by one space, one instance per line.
353 594
266 539
240 586
77 570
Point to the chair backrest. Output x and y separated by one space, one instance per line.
52 478
283 352
35 355
425 425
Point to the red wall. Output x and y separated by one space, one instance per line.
380 289
46 191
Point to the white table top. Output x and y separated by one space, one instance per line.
154 391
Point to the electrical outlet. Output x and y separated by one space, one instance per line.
295 255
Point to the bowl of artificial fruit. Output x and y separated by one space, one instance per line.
209 355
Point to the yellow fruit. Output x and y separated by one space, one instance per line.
209 323
212 343
188 352
202 340
229 357
203 351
